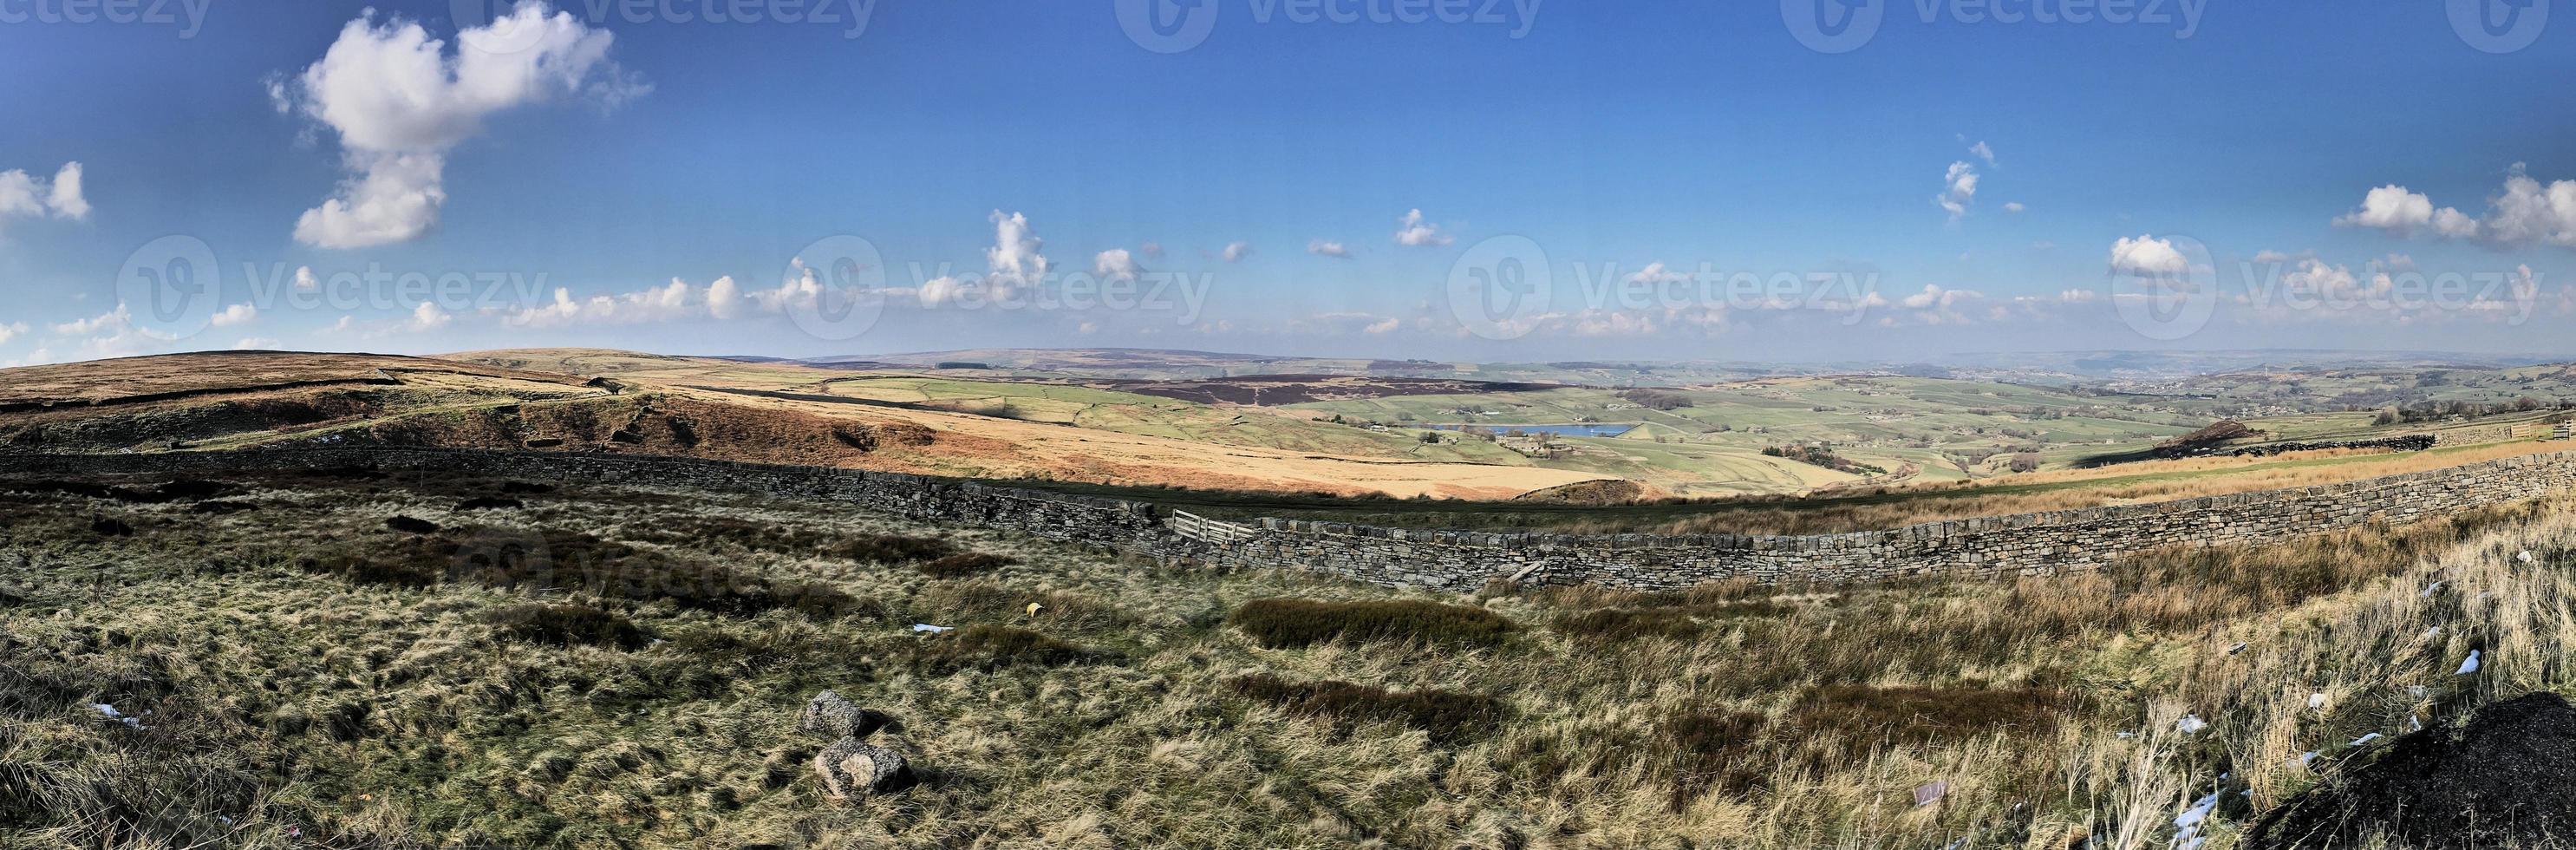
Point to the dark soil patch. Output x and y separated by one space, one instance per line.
410 525
488 503
523 488
2506 779
218 507
110 527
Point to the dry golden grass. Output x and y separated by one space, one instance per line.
256 399
1125 712
2164 481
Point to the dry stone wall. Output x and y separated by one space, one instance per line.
1990 547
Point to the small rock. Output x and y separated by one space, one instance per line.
832 716
854 770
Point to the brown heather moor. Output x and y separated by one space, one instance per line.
274 699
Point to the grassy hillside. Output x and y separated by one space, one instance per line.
717 409
295 667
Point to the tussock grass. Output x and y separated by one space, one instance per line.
1132 709
569 624
964 564
1448 716
989 647
1286 623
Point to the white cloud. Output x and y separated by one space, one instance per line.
2525 213
2530 213
1015 260
112 320
234 315
1116 263
1235 251
66 198
12 331
1387 326
724 298
1151 249
1983 151
400 101
675 301
1415 231
1959 190
1936 298
1323 248
2149 255
257 343
2270 256
2316 276
20 195
38 357
304 279
801 286
941 290
26 196
2015 207
2394 209
427 317
1657 273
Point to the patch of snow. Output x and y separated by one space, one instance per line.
2191 723
2471 665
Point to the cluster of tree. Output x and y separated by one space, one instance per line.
1657 399
1822 455
2429 411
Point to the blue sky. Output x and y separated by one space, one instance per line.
2236 148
